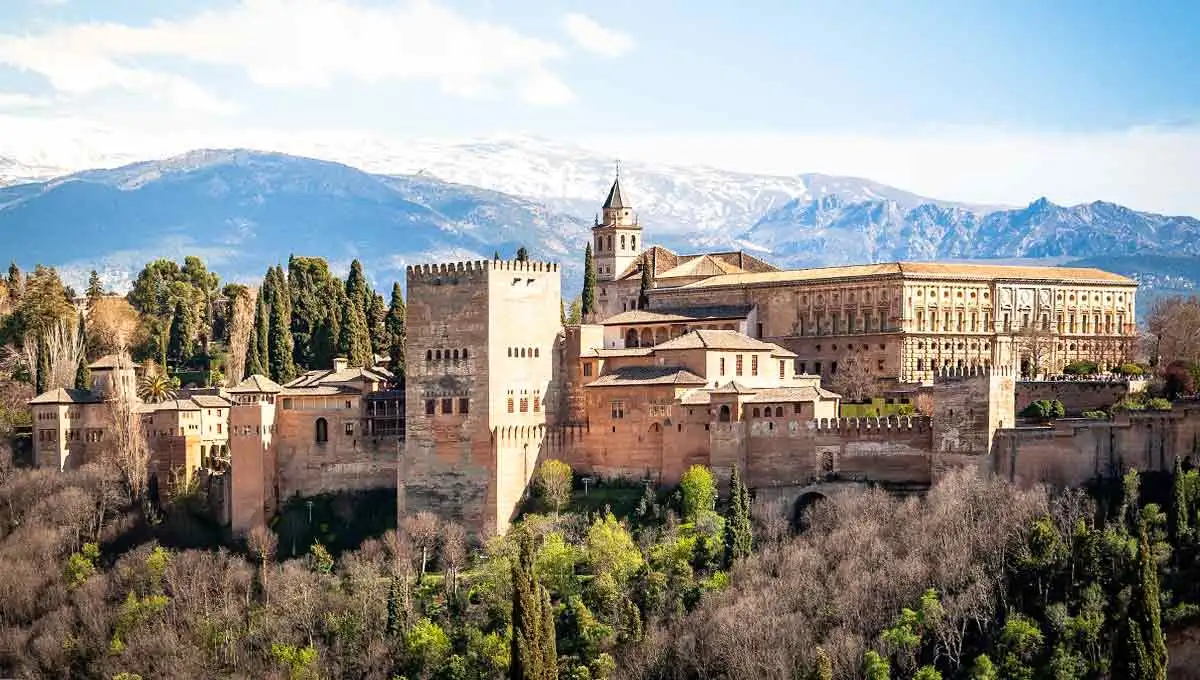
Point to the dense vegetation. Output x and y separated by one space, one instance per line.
977 579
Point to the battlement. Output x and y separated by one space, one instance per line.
434 272
871 424
957 373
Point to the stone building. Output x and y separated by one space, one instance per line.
481 386
906 319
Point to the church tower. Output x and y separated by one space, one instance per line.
615 238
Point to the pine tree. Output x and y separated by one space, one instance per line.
562 312
1180 510
279 343
588 301
575 316
256 362
83 375
95 289
394 322
522 254
15 282
179 343
643 301
738 534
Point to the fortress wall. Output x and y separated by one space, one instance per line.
1077 396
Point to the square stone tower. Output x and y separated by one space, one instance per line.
481 365
969 405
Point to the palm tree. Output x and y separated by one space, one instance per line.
155 387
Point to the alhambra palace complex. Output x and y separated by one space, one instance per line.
730 363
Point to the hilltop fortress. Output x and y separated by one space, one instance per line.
727 361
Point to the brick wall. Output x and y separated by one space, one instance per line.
1076 396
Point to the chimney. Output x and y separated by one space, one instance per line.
340 364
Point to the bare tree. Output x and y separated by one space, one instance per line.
1174 326
855 377
241 324
64 346
422 529
129 450
454 553
1035 345
21 360
113 324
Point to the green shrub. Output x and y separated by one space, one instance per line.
1044 409
1158 404
1130 403
1081 368
1129 369
1096 415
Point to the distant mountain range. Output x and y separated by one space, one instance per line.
244 210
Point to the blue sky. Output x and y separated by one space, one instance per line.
673 78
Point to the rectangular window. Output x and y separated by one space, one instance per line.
722 365
510 404
817 368
524 404
430 407
617 409
587 368
463 405
537 404
803 367
879 365
349 429
832 367
796 408
781 369
349 404
447 406
737 365
753 364
219 426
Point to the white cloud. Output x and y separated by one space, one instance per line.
591 36
292 44
1146 168
21 100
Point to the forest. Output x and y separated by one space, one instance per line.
975 579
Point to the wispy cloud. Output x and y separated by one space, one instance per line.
21 100
591 36
294 44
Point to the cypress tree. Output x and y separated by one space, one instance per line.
738 534
16 285
356 287
496 255
1179 493
644 290
1145 613
562 312
533 655
42 374
394 322
325 341
354 343
256 361
393 608
522 254
588 302
279 345
376 324
83 375
179 341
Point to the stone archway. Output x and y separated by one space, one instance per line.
803 504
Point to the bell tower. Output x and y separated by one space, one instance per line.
616 238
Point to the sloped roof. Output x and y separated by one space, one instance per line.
919 270
257 384
695 398
328 376
65 396
648 375
614 200
604 353
211 401
108 361
176 405
733 387
705 265
664 261
710 339
791 394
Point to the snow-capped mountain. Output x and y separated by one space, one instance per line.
244 210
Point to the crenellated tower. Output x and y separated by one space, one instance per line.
616 236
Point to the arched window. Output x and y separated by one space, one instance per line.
778 411
428 355
438 355
456 355
537 352
723 415
464 354
610 243
622 241
755 412
633 243
631 338
522 352
322 431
